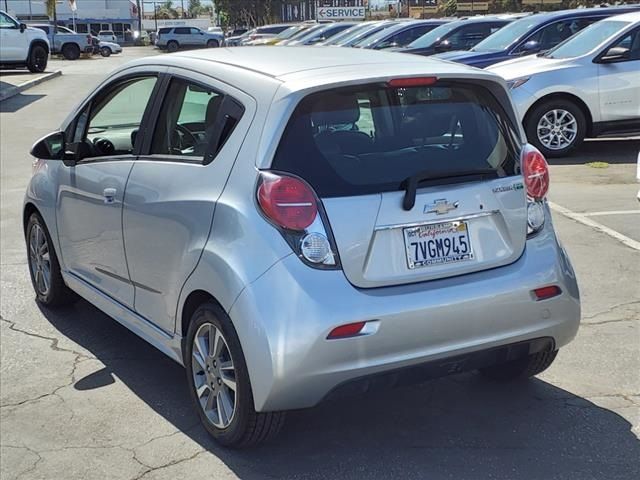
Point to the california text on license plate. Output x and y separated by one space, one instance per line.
437 244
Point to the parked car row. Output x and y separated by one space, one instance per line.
584 81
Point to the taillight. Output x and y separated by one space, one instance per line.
412 82
288 202
547 292
291 205
536 178
535 171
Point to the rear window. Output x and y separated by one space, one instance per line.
371 139
276 29
164 30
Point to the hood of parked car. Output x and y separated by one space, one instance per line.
528 66
475 59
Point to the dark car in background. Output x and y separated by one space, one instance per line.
458 35
532 34
400 34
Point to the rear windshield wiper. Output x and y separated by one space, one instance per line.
410 184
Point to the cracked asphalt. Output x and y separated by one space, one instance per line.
83 398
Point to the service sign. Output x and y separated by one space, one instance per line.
341 13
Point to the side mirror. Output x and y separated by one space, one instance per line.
23 27
615 54
531 46
442 46
50 147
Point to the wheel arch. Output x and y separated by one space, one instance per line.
562 96
41 43
28 210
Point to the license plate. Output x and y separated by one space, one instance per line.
437 244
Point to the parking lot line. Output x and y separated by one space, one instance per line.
585 220
612 212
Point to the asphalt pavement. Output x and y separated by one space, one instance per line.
83 398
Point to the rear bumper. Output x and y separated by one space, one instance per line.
284 317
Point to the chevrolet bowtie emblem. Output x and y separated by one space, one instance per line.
440 207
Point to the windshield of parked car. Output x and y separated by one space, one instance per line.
366 33
586 40
438 33
507 35
348 33
380 34
290 32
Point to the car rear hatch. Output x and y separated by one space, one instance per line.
419 178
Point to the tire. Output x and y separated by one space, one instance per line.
213 44
105 51
520 369
172 46
38 58
240 426
556 145
57 293
71 51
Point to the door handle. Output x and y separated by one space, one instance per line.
109 195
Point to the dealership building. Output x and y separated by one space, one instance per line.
121 16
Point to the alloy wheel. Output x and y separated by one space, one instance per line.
557 129
40 260
40 59
214 375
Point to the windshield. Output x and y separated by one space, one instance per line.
434 35
290 32
309 32
361 35
348 33
586 40
507 35
379 35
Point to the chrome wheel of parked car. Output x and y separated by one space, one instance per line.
214 375
557 129
40 260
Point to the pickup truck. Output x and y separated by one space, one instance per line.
68 43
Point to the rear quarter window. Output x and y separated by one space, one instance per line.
370 139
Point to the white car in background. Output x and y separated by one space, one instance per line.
587 86
109 48
107 36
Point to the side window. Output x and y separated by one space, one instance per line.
194 121
6 22
182 31
557 32
195 31
404 38
110 124
467 36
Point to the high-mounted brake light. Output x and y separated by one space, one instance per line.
535 171
287 201
412 82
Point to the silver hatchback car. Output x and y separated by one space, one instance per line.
292 227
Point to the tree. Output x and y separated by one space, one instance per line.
196 8
166 10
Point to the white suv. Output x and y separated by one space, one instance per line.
585 87
21 46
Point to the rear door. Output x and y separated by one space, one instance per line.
173 187
364 147
183 36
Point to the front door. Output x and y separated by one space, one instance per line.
89 215
174 186
619 82
13 42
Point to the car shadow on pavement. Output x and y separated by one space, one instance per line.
615 151
16 102
456 428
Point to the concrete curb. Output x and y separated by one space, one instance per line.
16 89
